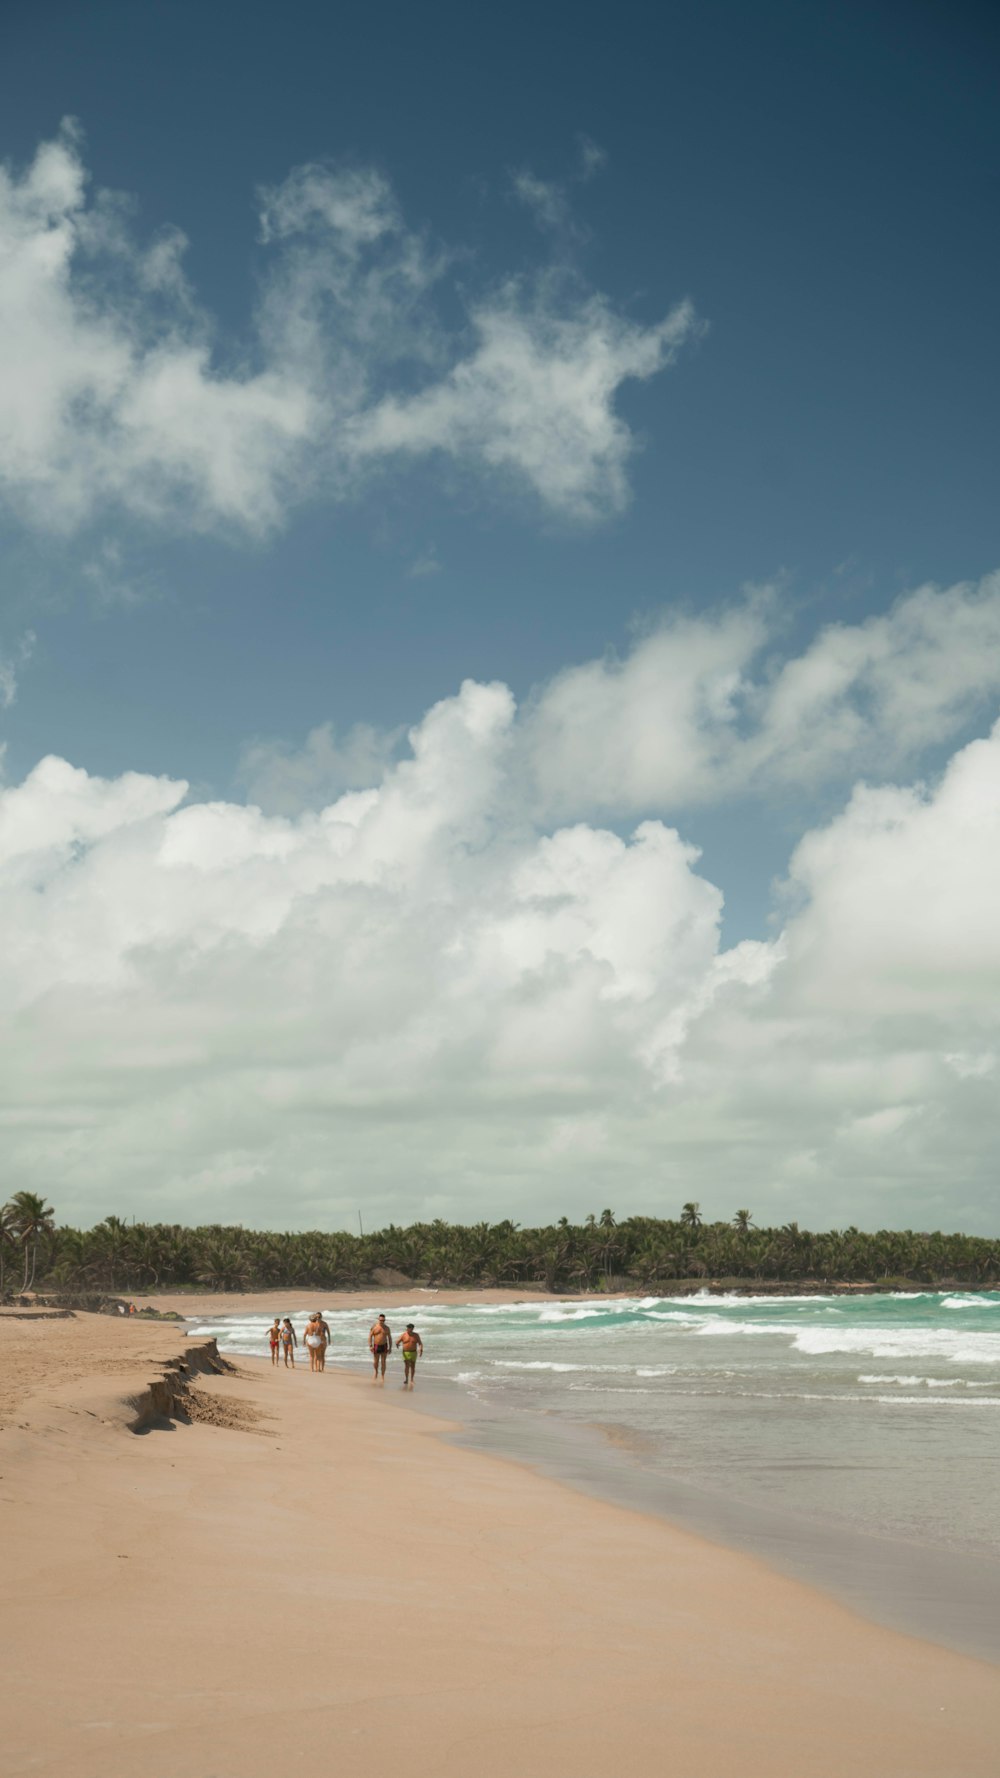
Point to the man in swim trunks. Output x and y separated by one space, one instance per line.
274 1335
411 1344
380 1345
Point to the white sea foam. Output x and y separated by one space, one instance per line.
883 1342
549 1364
674 1315
744 1298
927 1382
744 1328
903 1382
571 1314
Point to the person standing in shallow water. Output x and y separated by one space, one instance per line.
289 1341
314 1341
317 1340
380 1345
412 1344
274 1336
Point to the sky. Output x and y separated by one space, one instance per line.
500 625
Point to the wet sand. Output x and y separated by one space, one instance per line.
325 1578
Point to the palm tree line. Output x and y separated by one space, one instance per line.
599 1253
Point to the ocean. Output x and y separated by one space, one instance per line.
852 1442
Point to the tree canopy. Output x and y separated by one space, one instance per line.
600 1253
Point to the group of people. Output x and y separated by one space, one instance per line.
283 1341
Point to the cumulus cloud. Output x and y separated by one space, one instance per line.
706 707
418 998
534 398
120 393
284 780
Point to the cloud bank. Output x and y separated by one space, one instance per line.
120 394
425 999
712 707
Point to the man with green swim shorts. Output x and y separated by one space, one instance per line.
411 1344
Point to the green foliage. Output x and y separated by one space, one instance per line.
599 1254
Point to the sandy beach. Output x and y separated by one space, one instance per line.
307 1571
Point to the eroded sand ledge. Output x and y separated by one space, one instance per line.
352 1591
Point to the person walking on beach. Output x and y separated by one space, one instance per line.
412 1344
317 1336
380 1345
289 1341
327 1337
274 1336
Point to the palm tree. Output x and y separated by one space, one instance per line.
33 1218
691 1216
9 1231
223 1266
112 1240
743 1222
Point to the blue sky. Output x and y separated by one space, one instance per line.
643 365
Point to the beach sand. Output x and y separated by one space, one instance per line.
324 1579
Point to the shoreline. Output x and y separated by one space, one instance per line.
195 1303
464 1614
941 1592
940 1595
943 1597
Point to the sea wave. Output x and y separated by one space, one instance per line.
884 1342
559 1314
591 1370
914 1382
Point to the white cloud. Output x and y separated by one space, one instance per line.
704 708
418 999
113 584
285 780
881 880
593 158
425 564
534 398
547 202
118 393
11 666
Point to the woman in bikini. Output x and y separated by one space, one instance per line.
316 1342
289 1341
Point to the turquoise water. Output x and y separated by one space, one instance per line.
793 1425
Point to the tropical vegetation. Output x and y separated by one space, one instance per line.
599 1253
